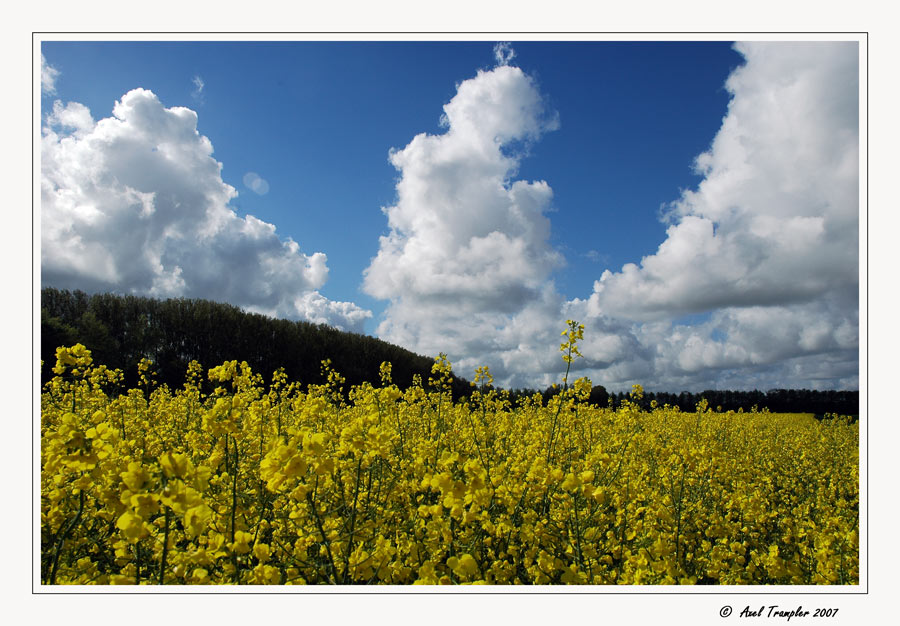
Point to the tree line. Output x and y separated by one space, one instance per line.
120 330
817 402
775 400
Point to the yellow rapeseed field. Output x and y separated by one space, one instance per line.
277 484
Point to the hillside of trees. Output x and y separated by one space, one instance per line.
120 330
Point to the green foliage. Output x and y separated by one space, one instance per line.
122 330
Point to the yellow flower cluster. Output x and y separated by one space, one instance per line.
274 484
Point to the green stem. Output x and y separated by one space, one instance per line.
64 535
352 520
577 532
162 564
312 506
137 565
234 559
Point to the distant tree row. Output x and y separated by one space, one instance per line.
121 330
775 400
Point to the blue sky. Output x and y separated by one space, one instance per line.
601 138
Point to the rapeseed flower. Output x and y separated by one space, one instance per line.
297 486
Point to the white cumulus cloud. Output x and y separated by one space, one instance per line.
755 285
768 243
49 74
468 249
775 219
136 203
